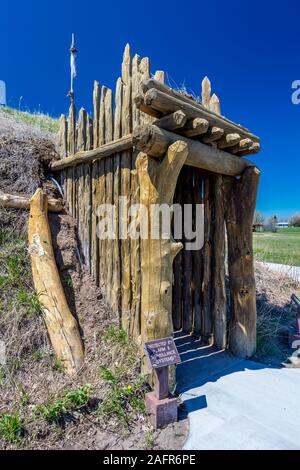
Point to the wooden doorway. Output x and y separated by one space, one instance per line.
192 269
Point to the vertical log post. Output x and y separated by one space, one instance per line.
81 144
71 151
135 323
157 183
207 253
187 322
95 186
177 278
219 288
116 282
240 206
100 197
109 185
198 258
125 189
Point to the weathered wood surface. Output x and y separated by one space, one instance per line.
116 281
172 121
81 131
126 163
105 150
177 266
61 325
166 100
219 313
135 268
229 140
213 134
99 198
198 258
63 137
206 92
96 104
13 201
207 255
72 130
155 141
195 127
239 211
109 186
157 183
214 104
187 305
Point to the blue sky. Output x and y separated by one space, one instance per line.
249 50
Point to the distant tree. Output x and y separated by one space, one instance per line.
258 218
271 224
295 220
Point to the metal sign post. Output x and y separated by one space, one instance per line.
160 404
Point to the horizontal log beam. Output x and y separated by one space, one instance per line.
229 140
106 150
12 201
139 102
195 127
255 148
213 134
163 100
155 142
173 121
243 145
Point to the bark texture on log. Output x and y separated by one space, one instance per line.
240 206
62 326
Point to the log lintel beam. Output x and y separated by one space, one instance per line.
155 142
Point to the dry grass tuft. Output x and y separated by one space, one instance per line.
274 313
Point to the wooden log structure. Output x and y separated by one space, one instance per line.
155 142
158 181
159 145
161 98
61 325
240 199
105 150
13 201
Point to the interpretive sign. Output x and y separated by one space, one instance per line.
162 352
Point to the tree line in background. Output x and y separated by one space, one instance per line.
271 223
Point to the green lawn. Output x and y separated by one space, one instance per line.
280 247
40 120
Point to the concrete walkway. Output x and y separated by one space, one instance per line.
237 404
291 271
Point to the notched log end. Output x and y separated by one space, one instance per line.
176 247
39 201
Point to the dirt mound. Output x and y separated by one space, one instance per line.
23 163
25 153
